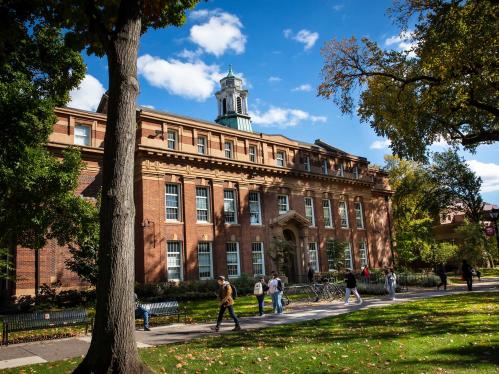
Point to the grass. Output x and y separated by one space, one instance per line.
451 334
490 273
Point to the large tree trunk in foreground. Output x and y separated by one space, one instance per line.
113 348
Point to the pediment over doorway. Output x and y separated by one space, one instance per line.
288 218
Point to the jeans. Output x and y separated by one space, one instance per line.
391 292
277 302
354 291
260 299
144 314
469 282
221 313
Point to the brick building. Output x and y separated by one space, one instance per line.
211 196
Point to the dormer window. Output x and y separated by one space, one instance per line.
239 105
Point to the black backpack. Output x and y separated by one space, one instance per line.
234 291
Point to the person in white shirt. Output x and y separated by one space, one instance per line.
275 291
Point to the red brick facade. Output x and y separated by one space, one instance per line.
349 181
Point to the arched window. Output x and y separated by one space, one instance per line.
224 106
239 105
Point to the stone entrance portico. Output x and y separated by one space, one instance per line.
292 227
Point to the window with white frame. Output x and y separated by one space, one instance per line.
202 141
205 260
356 172
252 153
340 170
328 216
230 208
280 158
174 260
359 216
325 167
330 251
363 253
282 203
172 202
314 258
306 163
343 211
229 149
202 204
258 258
348 256
233 270
309 210
82 135
255 208
171 139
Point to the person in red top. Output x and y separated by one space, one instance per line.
365 272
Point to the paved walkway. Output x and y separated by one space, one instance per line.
53 350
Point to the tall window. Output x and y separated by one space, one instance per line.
205 260
174 260
224 106
252 153
172 202
255 208
279 159
342 207
172 139
229 146
230 206
330 250
356 172
309 210
282 203
328 217
359 216
258 258
340 170
325 167
202 145
202 204
232 259
306 163
363 253
82 135
314 258
239 105
348 256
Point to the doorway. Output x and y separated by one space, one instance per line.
290 269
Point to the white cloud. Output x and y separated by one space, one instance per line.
283 117
403 42
88 94
148 106
191 80
380 144
303 87
190 55
274 79
220 32
489 172
440 143
338 7
304 36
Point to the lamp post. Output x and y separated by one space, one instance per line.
494 214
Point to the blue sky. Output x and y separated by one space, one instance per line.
275 47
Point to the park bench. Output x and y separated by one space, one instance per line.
163 308
43 320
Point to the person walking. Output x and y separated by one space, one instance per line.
141 312
275 291
443 277
467 274
390 282
351 287
259 291
365 273
226 302
310 274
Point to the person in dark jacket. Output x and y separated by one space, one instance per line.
310 273
443 277
351 287
467 274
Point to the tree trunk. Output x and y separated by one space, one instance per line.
113 348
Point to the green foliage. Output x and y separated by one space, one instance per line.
445 87
279 252
475 247
335 250
439 253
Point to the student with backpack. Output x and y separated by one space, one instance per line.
275 291
226 294
259 291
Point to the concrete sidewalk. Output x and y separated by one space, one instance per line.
53 350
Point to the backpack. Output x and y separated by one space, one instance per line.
234 291
280 286
258 290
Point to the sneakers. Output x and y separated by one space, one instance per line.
237 328
347 304
215 328
147 329
360 302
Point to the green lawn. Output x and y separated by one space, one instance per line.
452 334
490 273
